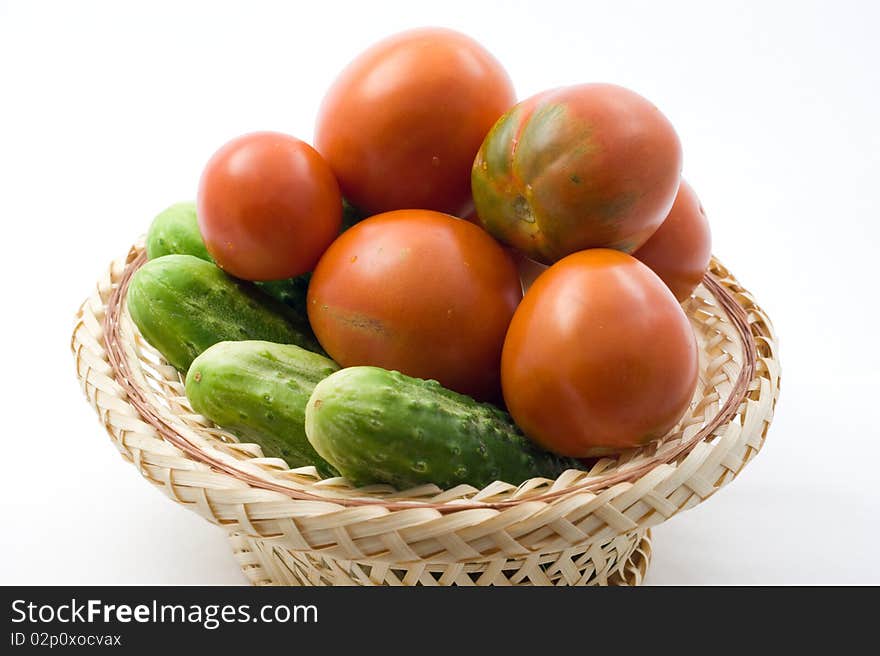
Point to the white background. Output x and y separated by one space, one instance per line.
108 112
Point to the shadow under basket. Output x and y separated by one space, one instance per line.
290 527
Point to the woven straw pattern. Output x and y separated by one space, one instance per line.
289 527
622 561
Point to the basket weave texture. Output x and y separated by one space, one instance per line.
289 527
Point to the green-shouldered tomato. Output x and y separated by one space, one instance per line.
587 166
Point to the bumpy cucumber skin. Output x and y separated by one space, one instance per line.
182 305
380 426
258 391
290 291
175 231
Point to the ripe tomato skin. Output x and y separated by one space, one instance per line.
400 126
268 206
599 356
421 292
586 166
680 250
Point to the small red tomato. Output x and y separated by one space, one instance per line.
680 250
402 123
587 166
599 356
425 293
268 206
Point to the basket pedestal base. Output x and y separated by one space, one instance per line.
621 561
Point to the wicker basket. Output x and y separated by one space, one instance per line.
287 526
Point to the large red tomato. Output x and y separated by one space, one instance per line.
680 250
599 356
418 291
587 166
402 123
268 206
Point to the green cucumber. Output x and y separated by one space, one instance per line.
182 305
175 230
380 426
290 291
258 391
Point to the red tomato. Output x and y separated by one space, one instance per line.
402 123
594 165
680 250
421 292
599 356
268 206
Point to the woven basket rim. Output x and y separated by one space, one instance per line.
734 311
